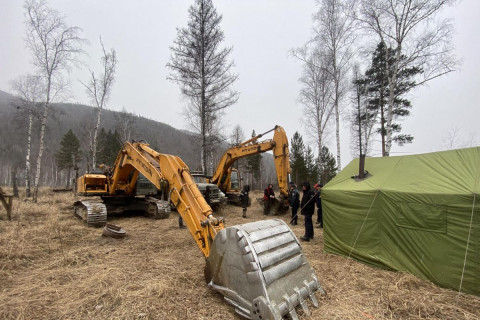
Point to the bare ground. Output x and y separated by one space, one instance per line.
53 267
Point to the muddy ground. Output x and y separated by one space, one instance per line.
53 267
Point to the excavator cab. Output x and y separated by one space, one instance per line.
234 180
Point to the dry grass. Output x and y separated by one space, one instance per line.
53 266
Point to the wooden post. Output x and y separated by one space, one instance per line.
7 202
9 208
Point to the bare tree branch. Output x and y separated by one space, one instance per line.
99 90
201 68
54 46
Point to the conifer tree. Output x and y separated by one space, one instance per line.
69 154
311 168
377 86
329 167
297 159
108 146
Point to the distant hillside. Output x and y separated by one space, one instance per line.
81 118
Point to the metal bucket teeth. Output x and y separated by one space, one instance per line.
260 269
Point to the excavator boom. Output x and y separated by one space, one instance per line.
279 145
258 267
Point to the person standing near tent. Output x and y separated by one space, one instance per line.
307 209
294 202
268 198
318 199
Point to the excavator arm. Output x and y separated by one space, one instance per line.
170 175
279 145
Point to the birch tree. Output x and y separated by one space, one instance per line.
125 122
236 138
202 69
237 135
29 89
54 46
334 29
99 89
316 97
417 37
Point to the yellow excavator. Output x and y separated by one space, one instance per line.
258 267
227 178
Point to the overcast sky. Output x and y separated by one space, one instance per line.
261 32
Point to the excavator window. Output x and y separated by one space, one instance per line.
234 181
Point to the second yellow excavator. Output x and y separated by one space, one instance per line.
227 178
258 267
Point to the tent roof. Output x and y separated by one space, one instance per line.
445 172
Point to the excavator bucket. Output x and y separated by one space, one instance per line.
260 269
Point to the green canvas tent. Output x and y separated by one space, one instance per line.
418 213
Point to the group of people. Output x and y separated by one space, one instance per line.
310 198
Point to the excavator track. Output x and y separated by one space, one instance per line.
94 213
158 209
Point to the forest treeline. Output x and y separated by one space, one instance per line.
80 119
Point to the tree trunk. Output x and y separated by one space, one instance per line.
337 111
27 158
382 129
68 178
42 145
359 122
320 141
75 181
337 134
95 133
14 182
392 81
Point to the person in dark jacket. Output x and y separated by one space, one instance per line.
268 198
318 197
244 199
294 202
308 209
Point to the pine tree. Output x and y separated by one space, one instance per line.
328 165
113 147
297 159
69 154
108 146
376 81
311 167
